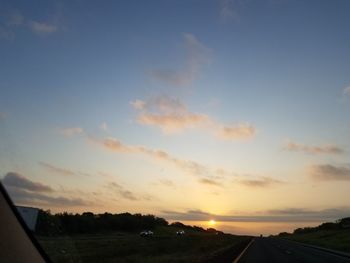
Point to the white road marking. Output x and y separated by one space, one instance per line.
240 255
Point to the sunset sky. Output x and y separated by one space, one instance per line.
236 111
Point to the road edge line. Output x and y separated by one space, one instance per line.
244 250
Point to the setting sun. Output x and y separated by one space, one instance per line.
212 222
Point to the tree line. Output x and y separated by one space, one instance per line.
89 223
342 223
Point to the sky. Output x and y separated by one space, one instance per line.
229 110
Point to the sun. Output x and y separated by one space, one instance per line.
212 222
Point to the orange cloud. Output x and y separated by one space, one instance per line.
115 145
168 114
188 166
236 131
171 116
172 122
206 175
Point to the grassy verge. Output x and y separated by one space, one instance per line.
164 246
332 239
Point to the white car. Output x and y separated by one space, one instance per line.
146 233
180 233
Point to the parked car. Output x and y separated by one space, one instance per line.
146 233
180 233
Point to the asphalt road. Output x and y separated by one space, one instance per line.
272 250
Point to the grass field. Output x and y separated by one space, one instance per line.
333 239
164 246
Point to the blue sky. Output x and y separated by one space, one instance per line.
257 89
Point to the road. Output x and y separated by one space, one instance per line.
272 250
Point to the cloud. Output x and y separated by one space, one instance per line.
207 175
310 214
277 215
3 115
57 170
171 123
236 131
138 104
14 18
211 182
114 145
262 182
168 114
197 55
25 191
104 126
326 149
121 191
5 33
327 172
172 116
42 27
68 132
188 166
228 10
13 179
167 182
346 91
33 198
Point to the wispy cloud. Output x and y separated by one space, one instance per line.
169 114
42 27
205 174
57 170
171 123
3 115
197 55
104 126
228 10
260 182
346 91
17 180
167 182
211 182
5 33
276 215
172 116
324 149
187 166
14 19
121 191
236 131
68 132
328 172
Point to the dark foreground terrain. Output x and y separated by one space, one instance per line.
164 246
332 239
331 235
271 250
